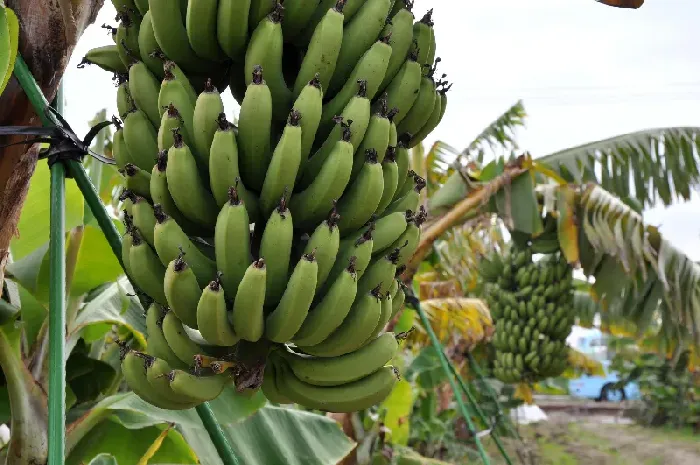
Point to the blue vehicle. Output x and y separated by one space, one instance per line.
600 388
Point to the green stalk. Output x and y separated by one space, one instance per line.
28 404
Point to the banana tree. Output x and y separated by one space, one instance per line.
595 190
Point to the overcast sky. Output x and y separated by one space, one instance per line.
584 71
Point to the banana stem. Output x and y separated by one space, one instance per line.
29 407
475 199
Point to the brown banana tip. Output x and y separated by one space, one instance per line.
347 133
277 14
209 87
413 54
233 197
362 88
172 111
391 114
127 194
399 271
162 161
339 5
171 376
84 62
311 256
130 169
409 216
333 216
258 75
159 213
180 263
371 156
282 205
386 39
395 254
178 141
215 284
390 155
428 18
404 139
352 265
382 110
223 123
421 217
294 118
376 292
316 81
136 237
128 221
259 263
420 183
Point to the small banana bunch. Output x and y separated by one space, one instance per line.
270 249
532 306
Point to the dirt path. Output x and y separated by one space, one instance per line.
569 440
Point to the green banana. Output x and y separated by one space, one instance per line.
360 200
254 128
323 50
401 29
358 250
170 121
276 249
143 218
297 14
120 151
265 50
358 36
410 200
157 345
310 104
370 69
324 243
181 78
430 124
344 369
106 57
182 291
202 388
390 171
232 242
403 91
379 274
171 33
384 317
325 316
200 24
313 203
142 6
397 302
284 165
205 121
146 270
172 92
133 367
249 301
127 242
424 39
213 317
232 27
149 48
352 397
127 38
403 163
421 110
408 241
269 386
178 340
170 241
161 195
157 375
355 329
286 319
124 101
223 167
351 8
187 189
259 9
376 138
388 230
141 139
144 88
357 115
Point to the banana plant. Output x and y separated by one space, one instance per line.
596 192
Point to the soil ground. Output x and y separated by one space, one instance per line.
596 440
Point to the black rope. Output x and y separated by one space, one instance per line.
64 144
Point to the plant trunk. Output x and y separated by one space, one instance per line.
49 30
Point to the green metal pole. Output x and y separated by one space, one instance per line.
216 435
480 413
446 368
57 317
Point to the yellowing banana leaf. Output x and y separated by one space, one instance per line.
398 407
455 319
581 363
524 392
430 289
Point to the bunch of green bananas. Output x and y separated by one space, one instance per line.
284 235
532 306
